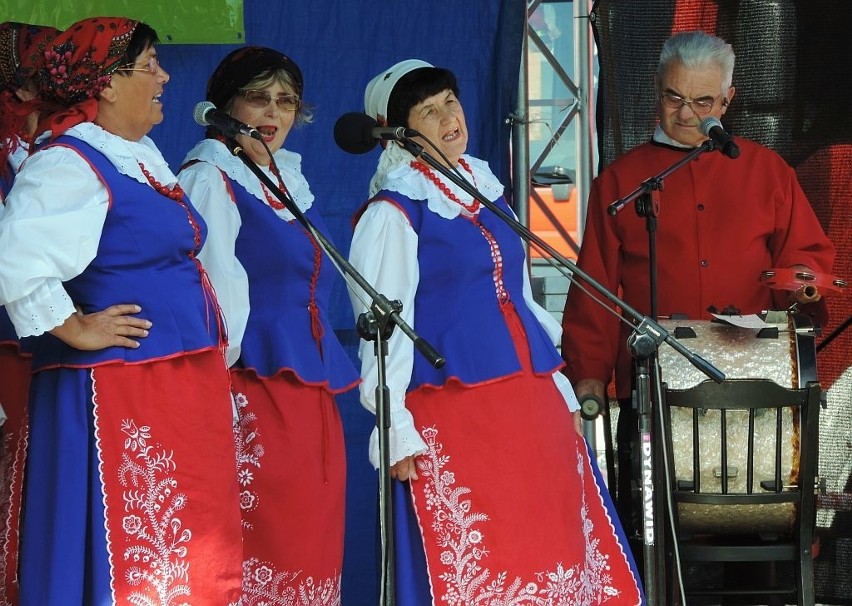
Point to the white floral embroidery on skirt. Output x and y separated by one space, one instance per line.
157 541
264 586
465 548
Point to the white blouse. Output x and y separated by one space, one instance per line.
383 233
51 225
208 192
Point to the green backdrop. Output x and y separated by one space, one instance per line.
176 21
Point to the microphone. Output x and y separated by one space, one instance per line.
206 114
711 127
358 133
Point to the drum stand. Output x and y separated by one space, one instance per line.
375 325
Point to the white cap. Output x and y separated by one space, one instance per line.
378 91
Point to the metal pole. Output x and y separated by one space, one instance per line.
520 143
585 120
585 124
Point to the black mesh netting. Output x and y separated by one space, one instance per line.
794 94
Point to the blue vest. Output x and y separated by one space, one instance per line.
278 257
456 307
8 336
6 184
144 257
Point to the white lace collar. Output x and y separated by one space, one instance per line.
410 182
289 164
125 156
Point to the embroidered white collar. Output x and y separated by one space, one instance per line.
289 165
410 182
125 155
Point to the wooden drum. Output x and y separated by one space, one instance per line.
778 353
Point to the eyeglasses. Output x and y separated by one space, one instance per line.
152 67
700 106
261 98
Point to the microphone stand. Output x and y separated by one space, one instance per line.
647 376
647 335
375 325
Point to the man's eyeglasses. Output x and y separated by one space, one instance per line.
700 106
262 98
152 67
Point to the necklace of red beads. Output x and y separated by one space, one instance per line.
272 200
177 194
430 174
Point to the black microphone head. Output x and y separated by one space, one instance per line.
708 123
200 112
353 133
723 138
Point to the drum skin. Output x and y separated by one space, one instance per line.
739 353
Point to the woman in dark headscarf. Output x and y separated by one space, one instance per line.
130 494
22 49
274 285
502 503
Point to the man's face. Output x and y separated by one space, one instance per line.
686 97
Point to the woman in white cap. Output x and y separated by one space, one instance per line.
502 505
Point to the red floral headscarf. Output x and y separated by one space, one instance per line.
21 52
77 67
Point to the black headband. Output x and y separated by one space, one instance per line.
242 66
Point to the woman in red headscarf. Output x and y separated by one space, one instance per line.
22 47
130 494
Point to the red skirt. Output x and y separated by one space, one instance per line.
131 496
506 500
167 463
14 387
292 474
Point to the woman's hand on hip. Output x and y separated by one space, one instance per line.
114 326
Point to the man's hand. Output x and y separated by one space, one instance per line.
592 386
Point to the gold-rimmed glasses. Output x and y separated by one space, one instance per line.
152 67
261 98
701 106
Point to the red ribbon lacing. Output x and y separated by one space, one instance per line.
317 330
177 194
496 255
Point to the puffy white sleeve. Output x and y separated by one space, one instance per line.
49 233
384 251
554 331
209 194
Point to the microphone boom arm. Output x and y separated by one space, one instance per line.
384 309
656 182
641 323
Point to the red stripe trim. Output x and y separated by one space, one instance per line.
114 362
291 372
